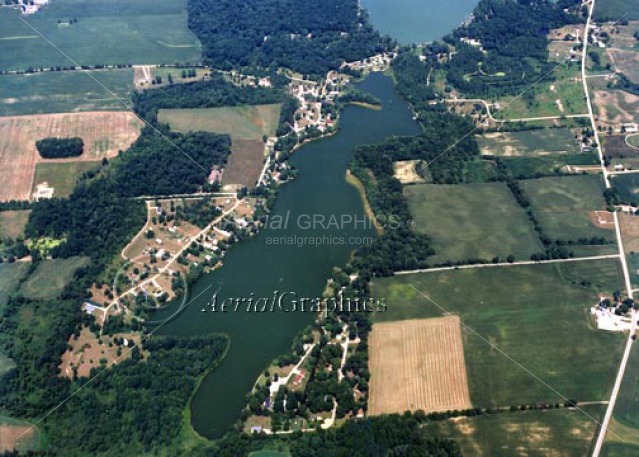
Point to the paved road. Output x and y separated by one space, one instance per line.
624 361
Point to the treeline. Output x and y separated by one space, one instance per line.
513 35
60 148
626 85
212 93
308 37
359 96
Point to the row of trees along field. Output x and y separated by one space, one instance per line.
513 36
308 37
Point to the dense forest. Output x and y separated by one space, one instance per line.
60 148
513 37
308 37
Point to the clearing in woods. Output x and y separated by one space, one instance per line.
418 364
104 134
12 223
244 163
17 434
406 171
51 277
62 176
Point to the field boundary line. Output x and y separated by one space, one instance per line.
519 365
144 338
508 264
128 107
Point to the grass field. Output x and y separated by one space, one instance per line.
615 9
612 106
10 275
528 143
241 122
633 140
10 435
417 365
534 314
566 87
51 277
627 186
104 134
472 221
12 223
65 91
62 176
556 433
106 32
627 406
562 205
547 164
619 450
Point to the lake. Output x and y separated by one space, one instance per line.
260 267
417 21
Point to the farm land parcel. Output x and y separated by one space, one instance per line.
537 314
553 433
104 133
528 143
51 277
106 32
479 221
64 91
247 126
562 205
418 364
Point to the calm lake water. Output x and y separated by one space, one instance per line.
417 21
258 267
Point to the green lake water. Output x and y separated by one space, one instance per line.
417 21
255 266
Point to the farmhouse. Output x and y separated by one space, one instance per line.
43 191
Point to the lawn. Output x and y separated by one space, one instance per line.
241 122
64 91
557 432
633 140
12 223
105 32
536 314
472 221
627 186
562 205
51 277
62 176
529 142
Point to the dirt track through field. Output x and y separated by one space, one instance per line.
104 134
418 364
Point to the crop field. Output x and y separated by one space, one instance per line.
553 433
65 91
478 221
532 313
626 62
10 435
562 95
562 205
241 122
62 176
417 364
244 164
12 223
105 32
51 277
627 186
104 133
529 143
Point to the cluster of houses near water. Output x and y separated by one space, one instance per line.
27 6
